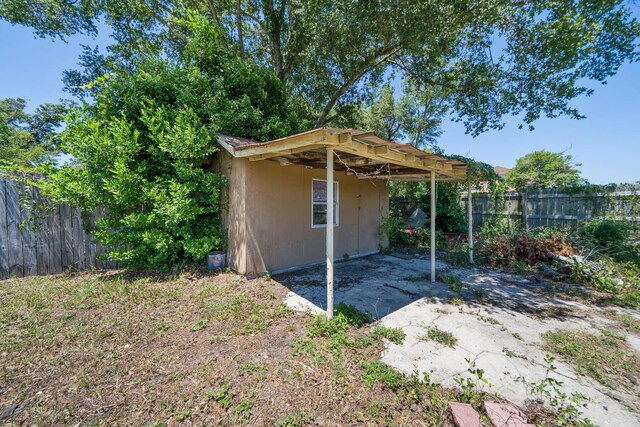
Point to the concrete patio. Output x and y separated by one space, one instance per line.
497 319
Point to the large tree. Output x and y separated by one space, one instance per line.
414 117
27 139
484 59
544 169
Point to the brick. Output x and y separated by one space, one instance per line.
464 415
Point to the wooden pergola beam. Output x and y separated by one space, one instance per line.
369 153
285 152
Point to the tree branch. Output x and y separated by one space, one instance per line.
239 29
377 58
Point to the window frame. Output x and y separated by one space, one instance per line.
336 196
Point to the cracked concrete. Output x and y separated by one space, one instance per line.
497 319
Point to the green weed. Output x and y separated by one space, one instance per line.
200 324
489 320
395 335
440 336
380 372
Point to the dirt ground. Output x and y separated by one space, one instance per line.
196 349
105 348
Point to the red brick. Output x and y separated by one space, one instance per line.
464 415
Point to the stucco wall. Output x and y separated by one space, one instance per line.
270 216
233 208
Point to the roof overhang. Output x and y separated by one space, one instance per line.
358 152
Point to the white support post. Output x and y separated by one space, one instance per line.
330 197
470 221
433 226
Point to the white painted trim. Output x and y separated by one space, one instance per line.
433 226
337 197
470 220
330 226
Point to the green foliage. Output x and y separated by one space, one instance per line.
543 169
620 279
440 336
549 391
223 395
472 387
27 140
302 418
333 55
380 372
140 150
416 116
145 169
404 197
392 226
394 335
609 237
602 357
200 324
345 317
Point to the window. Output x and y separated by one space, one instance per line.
319 203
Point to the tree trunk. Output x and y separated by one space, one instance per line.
239 27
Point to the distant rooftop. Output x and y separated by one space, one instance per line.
501 170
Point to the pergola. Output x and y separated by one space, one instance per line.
365 155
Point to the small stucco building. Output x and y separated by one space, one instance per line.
275 207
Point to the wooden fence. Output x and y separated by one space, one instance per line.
52 243
555 208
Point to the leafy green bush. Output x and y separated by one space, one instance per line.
392 227
609 237
404 197
141 150
162 205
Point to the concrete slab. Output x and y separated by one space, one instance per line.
498 320
504 415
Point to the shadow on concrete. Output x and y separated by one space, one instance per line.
383 284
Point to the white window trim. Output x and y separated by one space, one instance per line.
337 200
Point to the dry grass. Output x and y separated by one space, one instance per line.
194 349
605 357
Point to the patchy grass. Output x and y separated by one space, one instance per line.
108 348
454 301
440 336
489 320
417 278
624 321
452 282
394 335
606 357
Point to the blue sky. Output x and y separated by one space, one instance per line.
606 143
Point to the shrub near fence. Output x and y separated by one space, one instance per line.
50 242
556 208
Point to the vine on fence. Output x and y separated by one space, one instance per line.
35 210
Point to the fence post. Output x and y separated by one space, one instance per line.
525 221
470 221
